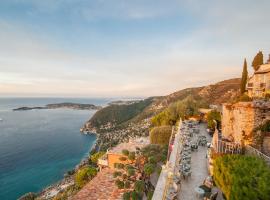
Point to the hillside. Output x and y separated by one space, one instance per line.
117 116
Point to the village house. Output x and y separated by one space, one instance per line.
259 83
113 155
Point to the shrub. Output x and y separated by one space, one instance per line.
160 135
139 186
125 152
211 116
126 196
131 172
84 175
180 109
94 158
242 177
131 156
149 169
116 174
120 184
150 195
244 98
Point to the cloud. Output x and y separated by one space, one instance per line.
158 62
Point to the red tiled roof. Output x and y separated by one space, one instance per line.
101 187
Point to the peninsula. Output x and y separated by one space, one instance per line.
75 106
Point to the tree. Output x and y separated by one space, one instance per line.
94 158
244 78
213 116
257 61
242 177
160 135
84 175
134 174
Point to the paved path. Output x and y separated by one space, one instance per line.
198 168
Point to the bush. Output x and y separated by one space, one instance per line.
242 177
131 172
94 158
160 135
125 152
180 109
126 196
149 169
139 186
131 156
244 98
120 184
211 116
84 175
116 174
150 195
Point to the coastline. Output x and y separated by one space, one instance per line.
53 189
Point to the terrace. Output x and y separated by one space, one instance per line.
186 168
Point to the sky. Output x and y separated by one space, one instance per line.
126 48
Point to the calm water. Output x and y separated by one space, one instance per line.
37 147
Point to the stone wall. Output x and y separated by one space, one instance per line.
239 119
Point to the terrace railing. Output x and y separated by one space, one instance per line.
249 150
168 170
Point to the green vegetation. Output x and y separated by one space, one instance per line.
28 196
257 61
180 109
259 134
244 98
244 78
118 114
213 116
135 174
242 177
94 157
84 175
160 135
265 127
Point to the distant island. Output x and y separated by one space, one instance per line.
75 106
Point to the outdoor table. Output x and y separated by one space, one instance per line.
205 188
200 192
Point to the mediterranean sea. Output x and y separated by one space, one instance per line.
37 147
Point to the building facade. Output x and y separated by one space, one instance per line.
259 83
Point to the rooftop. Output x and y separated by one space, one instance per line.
131 145
101 187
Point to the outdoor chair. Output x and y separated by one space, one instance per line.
210 196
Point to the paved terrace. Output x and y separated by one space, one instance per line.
199 171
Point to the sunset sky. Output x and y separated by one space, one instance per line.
125 48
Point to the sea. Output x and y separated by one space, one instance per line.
37 147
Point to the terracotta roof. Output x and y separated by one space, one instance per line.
101 187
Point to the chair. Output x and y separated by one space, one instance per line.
209 196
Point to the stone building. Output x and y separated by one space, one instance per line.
113 155
259 83
240 119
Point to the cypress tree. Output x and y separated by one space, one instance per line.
257 61
244 78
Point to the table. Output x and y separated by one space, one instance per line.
199 192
